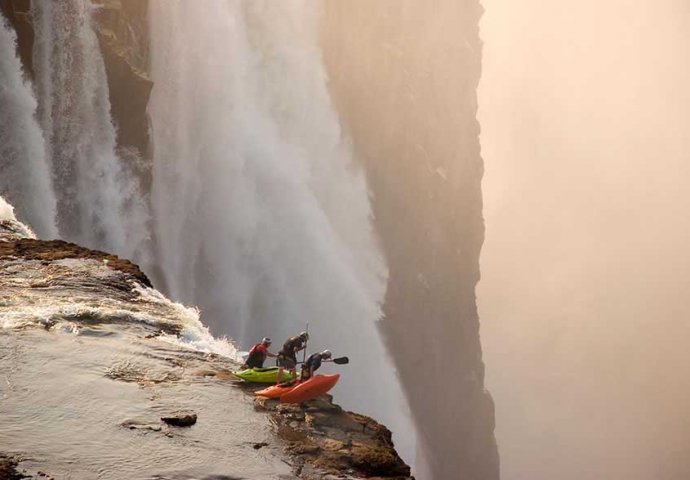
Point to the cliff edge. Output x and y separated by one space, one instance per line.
100 367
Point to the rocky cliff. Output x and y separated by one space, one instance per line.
404 79
98 368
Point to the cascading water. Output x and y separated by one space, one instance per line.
98 200
24 172
261 216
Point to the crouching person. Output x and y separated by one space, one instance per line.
313 363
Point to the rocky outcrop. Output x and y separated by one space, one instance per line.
404 79
8 468
180 419
325 441
49 251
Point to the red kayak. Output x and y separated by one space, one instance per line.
312 388
276 391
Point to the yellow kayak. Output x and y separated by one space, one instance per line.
262 375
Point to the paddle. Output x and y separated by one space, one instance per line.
339 360
304 355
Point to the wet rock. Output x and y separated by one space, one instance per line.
138 425
332 445
52 250
8 468
225 374
301 448
344 423
323 403
262 403
327 442
180 419
375 459
290 434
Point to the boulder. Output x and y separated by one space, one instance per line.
180 419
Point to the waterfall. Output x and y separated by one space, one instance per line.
98 200
25 176
261 215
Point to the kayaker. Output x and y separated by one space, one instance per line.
313 363
287 357
258 354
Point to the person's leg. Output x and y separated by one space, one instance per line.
291 363
279 378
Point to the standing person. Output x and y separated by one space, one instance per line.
313 363
258 354
287 357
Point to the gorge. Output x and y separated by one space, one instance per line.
243 165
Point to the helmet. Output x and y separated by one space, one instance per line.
326 354
266 340
304 335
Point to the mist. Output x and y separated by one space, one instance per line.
585 117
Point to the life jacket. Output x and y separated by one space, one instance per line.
290 345
256 356
314 360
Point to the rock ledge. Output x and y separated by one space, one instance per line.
327 442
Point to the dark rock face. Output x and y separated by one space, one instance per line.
122 28
31 249
180 419
18 14
404 78
325 440
8 468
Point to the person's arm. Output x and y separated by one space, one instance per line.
264 350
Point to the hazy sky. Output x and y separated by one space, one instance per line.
585 291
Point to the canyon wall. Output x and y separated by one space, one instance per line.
585 113
404 78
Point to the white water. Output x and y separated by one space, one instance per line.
261 216
24 174
6 211
99 203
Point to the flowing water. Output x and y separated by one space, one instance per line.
25 176
262 217
98 200
259 213
134 357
